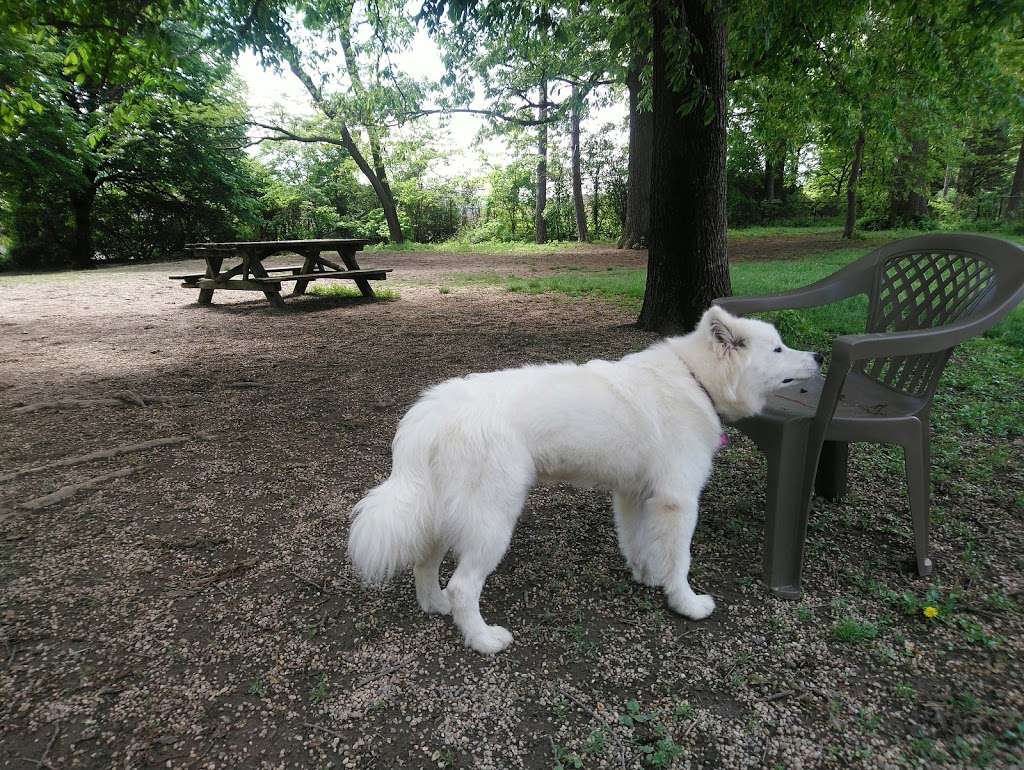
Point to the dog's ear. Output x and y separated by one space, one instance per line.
720 327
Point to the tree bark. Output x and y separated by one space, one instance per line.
82 250
687 265
908 200
540 224
636 228
851 186
577 175
387 197
1013 205
380 188
775 174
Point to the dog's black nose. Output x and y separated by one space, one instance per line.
818 358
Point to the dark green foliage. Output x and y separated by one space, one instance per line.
133 143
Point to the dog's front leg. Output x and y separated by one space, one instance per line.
673 518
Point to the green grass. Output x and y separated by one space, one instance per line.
489 247
865 237
854 631
814 327
341 290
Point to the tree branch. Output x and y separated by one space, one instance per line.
488 113
284 135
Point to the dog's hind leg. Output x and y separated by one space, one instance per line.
480 548
673 520
428 582
629 525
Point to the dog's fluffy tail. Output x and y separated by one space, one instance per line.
393 524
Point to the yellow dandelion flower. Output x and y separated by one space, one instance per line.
931 612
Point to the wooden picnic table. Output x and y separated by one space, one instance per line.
251 275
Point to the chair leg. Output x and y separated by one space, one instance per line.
830 482
917 452
786 510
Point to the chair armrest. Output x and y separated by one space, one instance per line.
838 286
858 347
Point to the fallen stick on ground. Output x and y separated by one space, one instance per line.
66 403
64 493
383 672
129 396
100 454
232 570
117 398
324 730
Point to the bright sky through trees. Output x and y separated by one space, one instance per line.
268 91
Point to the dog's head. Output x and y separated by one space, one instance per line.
749 362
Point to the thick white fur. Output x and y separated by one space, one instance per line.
468 452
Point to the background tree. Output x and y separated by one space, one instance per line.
363 94
122 107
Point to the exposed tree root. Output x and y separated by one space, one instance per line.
64 493
101 454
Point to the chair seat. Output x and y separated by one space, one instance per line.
862 399
867 411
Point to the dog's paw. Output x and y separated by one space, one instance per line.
694 606
490 640
438 604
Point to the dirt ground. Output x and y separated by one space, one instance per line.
198 610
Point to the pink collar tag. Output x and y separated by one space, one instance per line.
723 440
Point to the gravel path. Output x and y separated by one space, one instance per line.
197 611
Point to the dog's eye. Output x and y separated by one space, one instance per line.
778 349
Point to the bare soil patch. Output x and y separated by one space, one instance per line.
198 611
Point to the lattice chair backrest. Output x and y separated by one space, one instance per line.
923 290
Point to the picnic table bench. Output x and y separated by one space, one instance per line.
251 275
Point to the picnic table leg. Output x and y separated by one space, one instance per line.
213 264
257 269
348 256
309 264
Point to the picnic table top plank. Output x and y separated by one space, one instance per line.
326 243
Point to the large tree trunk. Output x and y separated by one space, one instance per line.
577 175
636 229
687 266
82 250
908 199
386 196
851 186
381 188
775 173
1013 205
540 224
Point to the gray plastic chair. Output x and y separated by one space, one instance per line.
926 295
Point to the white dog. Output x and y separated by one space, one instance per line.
645 428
